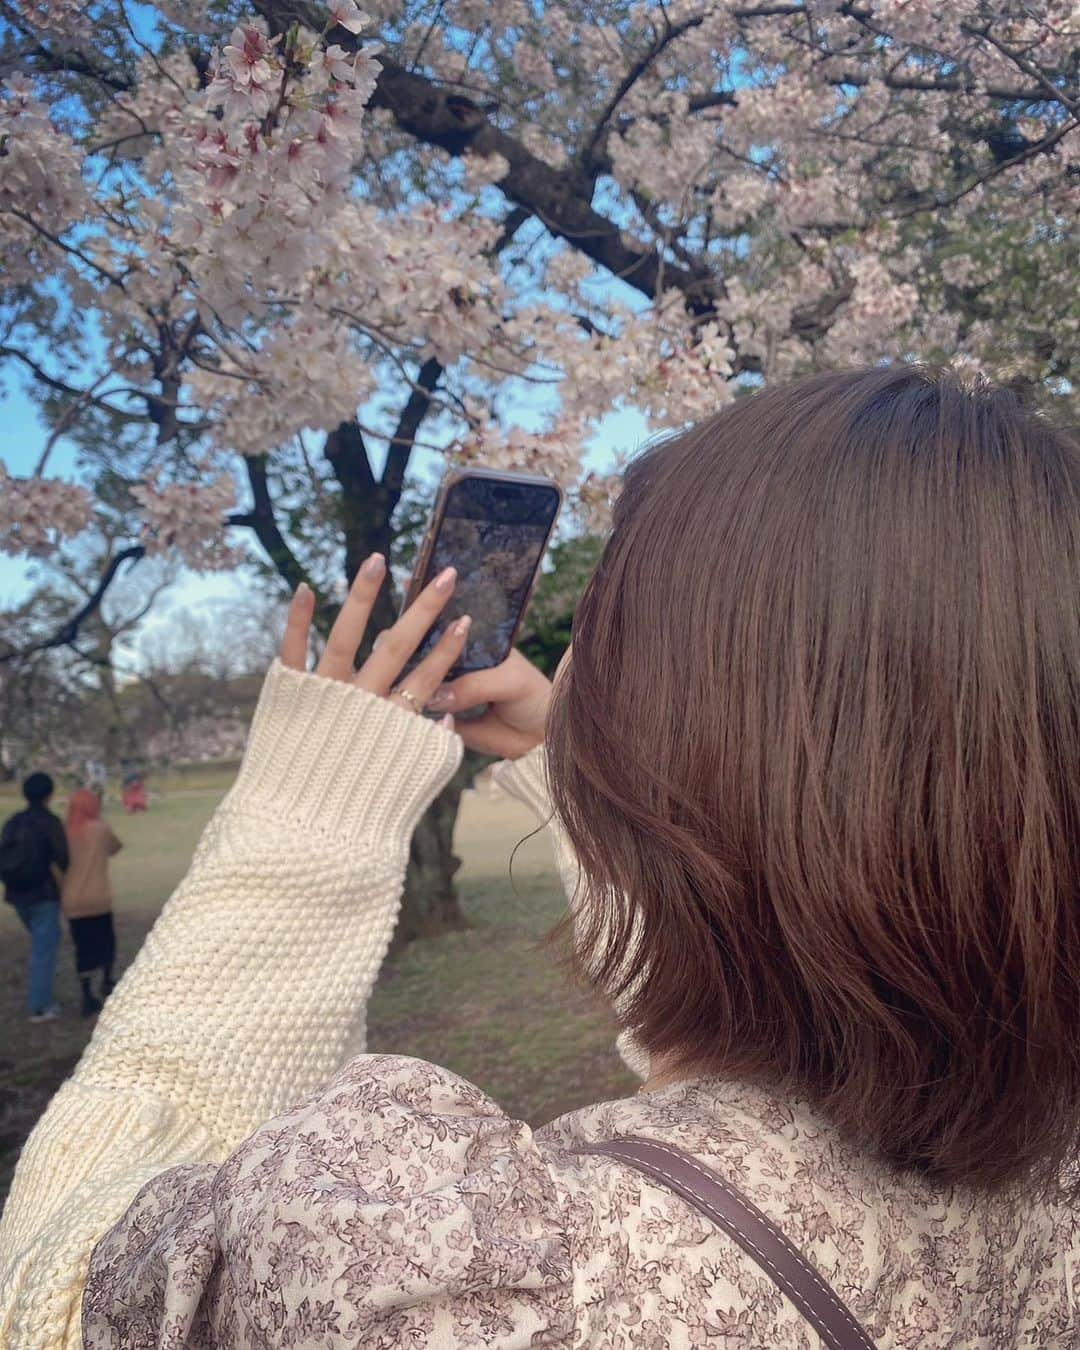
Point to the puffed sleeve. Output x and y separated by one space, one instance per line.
399 1206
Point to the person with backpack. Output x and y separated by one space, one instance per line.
33 849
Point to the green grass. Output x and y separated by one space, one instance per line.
489 1002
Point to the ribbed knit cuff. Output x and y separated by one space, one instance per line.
526 779
340 762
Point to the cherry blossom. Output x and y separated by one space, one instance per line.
348 14
570 212
36 514
186 518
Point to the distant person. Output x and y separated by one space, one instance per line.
87 895
134 794
95 776
33 850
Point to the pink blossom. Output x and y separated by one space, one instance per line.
336 62
348 14
322 255
36 514
247 58
188 519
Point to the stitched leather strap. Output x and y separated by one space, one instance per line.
744 1222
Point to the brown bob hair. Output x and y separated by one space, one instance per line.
818 750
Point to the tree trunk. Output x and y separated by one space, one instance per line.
430 903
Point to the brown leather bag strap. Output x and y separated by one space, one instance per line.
762 1241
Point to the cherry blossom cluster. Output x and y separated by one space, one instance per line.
71 22
37 514
187 518
41 187
238 187
263 252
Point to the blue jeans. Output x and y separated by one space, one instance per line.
42 922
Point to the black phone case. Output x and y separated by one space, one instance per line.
420 577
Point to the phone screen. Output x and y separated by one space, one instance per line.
494 531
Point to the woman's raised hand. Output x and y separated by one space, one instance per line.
380 672
517 695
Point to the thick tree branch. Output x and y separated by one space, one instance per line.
52 62
949 84
65 247
366 525
420 401
263 522
68 632
560 199
347 454
83 396
401 444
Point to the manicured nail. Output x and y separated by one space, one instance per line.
447 722
375 566
446 578
442 698
462 626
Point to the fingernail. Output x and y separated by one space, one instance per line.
375 566
442 698
462 626
446 578
303 591
447 722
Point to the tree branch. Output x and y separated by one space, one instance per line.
948 84
262 522
347 454
420 400
366 523
57 63
1028 151
59 243
68 632
401 445
590 157
83 396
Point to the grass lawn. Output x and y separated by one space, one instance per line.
485 1002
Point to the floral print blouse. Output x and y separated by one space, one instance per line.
400 1207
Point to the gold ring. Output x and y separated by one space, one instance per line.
410 698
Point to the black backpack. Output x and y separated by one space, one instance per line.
22 865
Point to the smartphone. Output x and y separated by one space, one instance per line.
494 528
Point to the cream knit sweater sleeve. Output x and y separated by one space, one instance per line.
248 992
